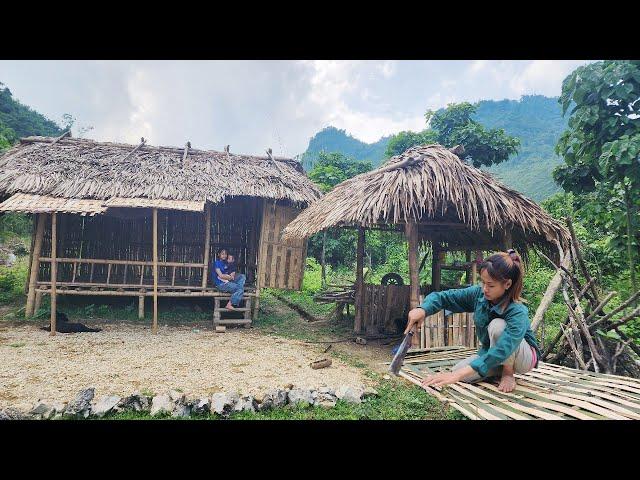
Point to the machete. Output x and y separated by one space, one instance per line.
398 359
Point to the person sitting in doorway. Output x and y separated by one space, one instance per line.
231 266
508 345
233 284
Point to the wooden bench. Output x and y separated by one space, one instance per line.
221 300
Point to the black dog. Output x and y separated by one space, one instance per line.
64 326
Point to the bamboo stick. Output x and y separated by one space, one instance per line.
359 321
155 271
35 265
54 272
207 243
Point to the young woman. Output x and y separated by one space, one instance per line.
225 282
502 324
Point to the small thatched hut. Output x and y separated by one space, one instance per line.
434 197
143 221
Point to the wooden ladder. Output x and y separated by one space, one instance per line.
218 309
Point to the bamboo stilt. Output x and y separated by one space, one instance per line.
359 321
207 243
411 232
141 307
155 271
54 272
35 266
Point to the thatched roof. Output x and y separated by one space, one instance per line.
82 168
430 184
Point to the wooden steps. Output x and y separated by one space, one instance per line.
219 309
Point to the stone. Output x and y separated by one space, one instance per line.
328 390
161 404
177 397
324 403
81 405
350 394
245 404
201 406
223 403
181 411
12 414
136 402
370 392
300 396
288 386
105 405
41 410
386 377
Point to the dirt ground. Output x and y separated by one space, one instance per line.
124 358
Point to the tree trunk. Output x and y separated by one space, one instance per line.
630 253
322 260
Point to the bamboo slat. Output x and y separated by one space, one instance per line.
548 392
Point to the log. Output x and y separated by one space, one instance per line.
411 232
547 298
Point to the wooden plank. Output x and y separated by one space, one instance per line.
54 272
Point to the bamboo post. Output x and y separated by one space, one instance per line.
155 271
411 232
550 292
207 243
141 307
435 268
359 321
35 266
54 272
260 210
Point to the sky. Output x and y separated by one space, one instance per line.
255 105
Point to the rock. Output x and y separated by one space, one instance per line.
201 406
136 402
386 377
288 386
181 411
370 392
81 405
12 414
274 398
245 404
328 390
300 395
161 404
41 410
105 405
177 397
325 403
350 394
223 403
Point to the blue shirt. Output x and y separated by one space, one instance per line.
222 265
471 299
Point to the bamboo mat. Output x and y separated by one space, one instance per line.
549 392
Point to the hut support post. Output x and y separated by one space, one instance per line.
35 266
357 327
435 268
141 307
411 232
207 243
54 271
155 271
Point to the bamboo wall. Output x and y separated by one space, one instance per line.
281 263
126 234
383 304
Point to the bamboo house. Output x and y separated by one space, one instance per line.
144 221
436 199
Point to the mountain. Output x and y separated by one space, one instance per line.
331 139
535 119
18 120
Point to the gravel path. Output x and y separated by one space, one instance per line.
124 358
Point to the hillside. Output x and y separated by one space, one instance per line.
18 120
331 139
536 120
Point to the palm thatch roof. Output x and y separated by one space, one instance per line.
429 184
86 169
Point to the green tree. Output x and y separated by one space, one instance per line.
601 145
453 126
329 170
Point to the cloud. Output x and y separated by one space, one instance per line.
253 105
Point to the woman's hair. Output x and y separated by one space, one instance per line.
503 266
220 251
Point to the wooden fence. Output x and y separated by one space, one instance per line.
455 329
